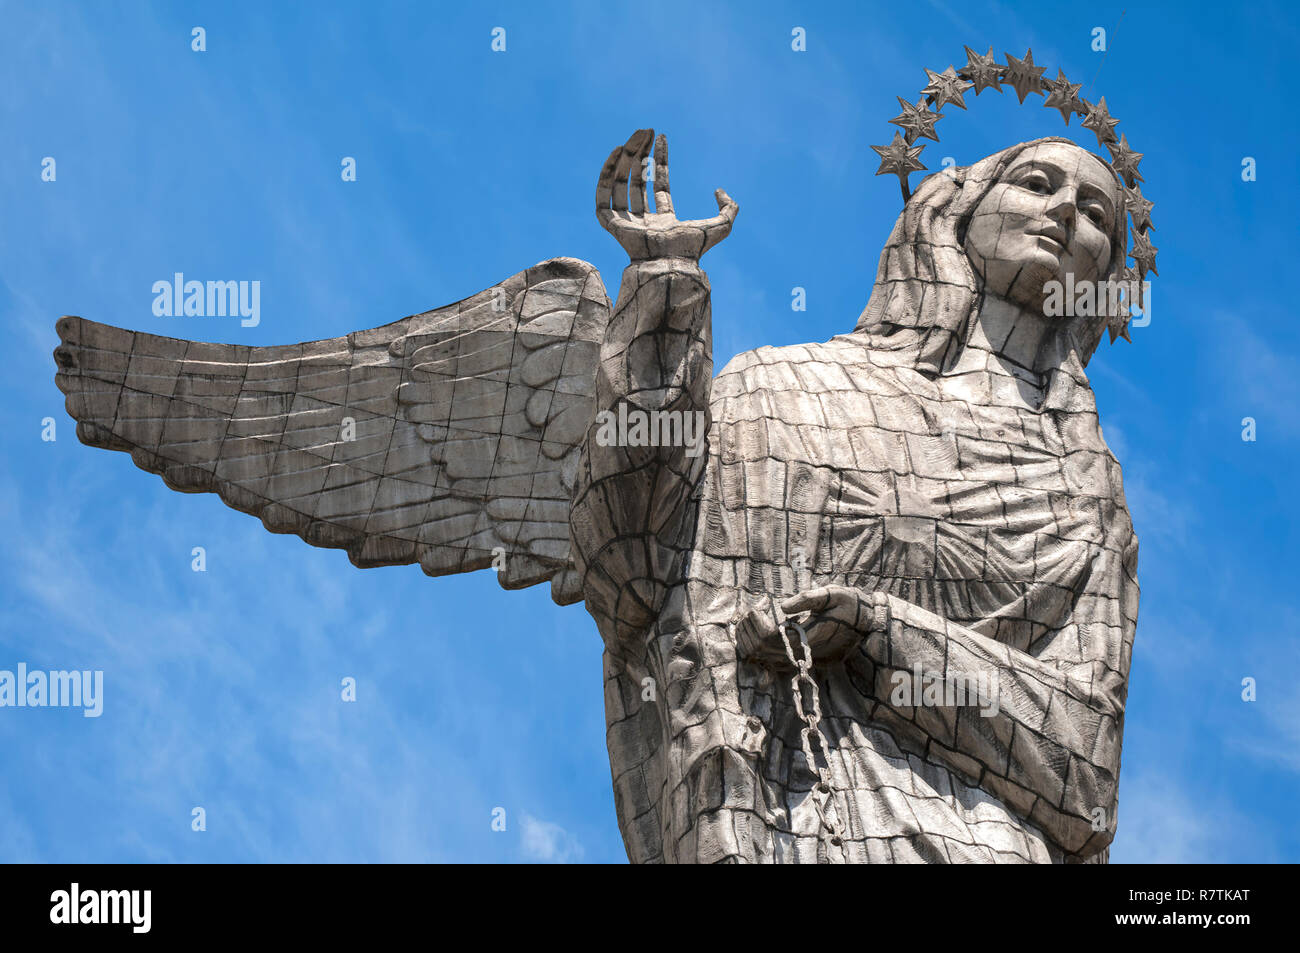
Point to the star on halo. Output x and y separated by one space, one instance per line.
1133 282
946 87
1024 76
1125 160
984 70
1099 121
1139 207
916 120
898 158
1063 95
1117 325
1144 253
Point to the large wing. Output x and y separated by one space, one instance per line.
447 438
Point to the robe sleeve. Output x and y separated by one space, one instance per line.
632 520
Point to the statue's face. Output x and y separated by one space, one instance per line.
1050 214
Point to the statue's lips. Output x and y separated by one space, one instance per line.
1054 235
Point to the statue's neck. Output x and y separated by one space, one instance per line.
1004 355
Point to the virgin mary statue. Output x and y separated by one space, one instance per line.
871 600
888 616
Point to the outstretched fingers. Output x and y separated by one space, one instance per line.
663 197
628 158
719 227
623 204
638 203
605 184
727 211
611 187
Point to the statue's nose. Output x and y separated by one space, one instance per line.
63 357
1062 206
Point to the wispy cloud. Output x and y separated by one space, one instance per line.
1165 821
1263 379
1274 736
548 842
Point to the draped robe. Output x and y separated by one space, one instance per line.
1001 537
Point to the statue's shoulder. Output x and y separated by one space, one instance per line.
844 362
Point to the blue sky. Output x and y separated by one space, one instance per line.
222 688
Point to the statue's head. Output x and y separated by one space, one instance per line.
1007 226
1054 210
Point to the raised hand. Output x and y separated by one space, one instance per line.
624 210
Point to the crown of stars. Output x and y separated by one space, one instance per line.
983 72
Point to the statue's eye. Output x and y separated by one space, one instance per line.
1095 215
1036 182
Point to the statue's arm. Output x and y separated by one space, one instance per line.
646 446
1047 743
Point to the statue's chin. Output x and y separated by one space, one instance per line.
1029 290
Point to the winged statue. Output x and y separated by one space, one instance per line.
925 502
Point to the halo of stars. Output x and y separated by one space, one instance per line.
901 156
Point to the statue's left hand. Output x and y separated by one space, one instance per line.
834 620
624 210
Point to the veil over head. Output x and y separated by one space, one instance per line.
927 292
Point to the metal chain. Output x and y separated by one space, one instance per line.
831 834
